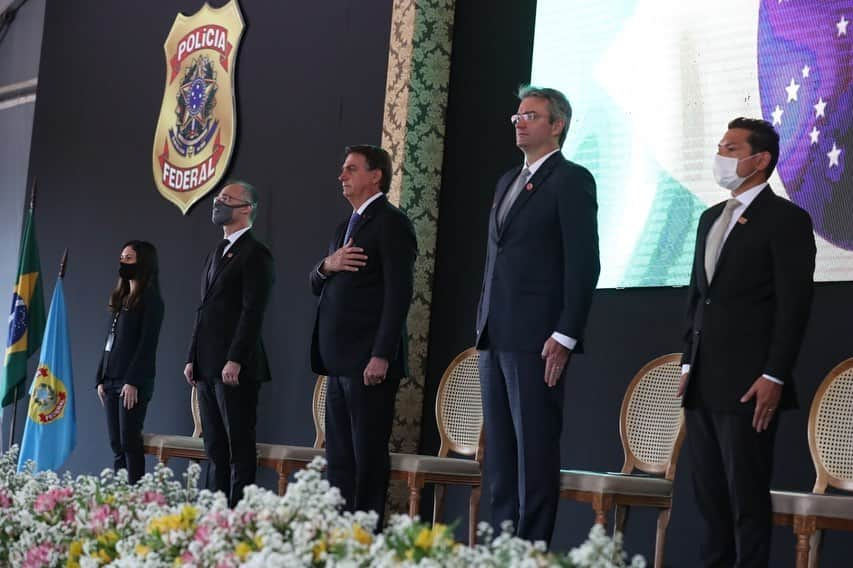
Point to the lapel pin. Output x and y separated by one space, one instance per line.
229 255
742 220
529 187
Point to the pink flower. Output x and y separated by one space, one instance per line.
47 501
38 556
202 535
154 497
102 517
5 501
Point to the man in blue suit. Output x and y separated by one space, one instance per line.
541 270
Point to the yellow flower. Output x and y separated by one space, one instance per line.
142 550
110 499
429 538
75 549
166 523
103 556
188 516
424 538
439 533
242 551
319 550
108 538
259 542
361 535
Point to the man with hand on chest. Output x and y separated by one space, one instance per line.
365 286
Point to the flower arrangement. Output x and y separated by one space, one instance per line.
48 520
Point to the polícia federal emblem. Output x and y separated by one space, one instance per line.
195 133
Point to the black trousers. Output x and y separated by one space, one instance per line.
228 416
358 427
732 465
523 419
125 430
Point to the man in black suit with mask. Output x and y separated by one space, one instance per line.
541 270
226 360
748 304
359 340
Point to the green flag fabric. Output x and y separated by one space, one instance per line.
26 318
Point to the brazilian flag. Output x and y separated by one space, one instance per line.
26 319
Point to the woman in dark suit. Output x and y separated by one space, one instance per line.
125 379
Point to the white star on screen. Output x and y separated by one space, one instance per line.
814 134
805 71
792 89
819 108
842 26
833 155
777 115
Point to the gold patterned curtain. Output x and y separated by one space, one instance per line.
413 132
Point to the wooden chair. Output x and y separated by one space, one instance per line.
830 432
459 415
165 447
284 459
651 426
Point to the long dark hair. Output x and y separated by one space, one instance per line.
147 273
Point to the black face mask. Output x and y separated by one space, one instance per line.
127 271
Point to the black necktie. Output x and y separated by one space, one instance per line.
217 258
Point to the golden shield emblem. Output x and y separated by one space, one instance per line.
195 133
49 397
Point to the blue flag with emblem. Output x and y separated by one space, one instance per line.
51 428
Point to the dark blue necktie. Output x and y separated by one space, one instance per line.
353 221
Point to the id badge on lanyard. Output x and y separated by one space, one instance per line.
111 337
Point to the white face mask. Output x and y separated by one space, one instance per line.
725 172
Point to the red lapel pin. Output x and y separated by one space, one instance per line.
742 220
230 254
529 187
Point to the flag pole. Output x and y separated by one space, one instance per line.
18 386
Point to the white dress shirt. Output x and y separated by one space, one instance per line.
746 198
233 239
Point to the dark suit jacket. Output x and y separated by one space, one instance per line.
228 321
750 320
133 357
363 314
542 265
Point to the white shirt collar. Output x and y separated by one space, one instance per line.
370 200
236 235
535 165
748 196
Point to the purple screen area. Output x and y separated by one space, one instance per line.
805 61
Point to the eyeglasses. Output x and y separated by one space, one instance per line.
229 201
525 116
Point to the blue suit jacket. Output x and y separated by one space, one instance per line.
542 264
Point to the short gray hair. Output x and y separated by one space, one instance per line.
250 193
558 105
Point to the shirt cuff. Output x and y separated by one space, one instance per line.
685 368
772 379
320 274
564 340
